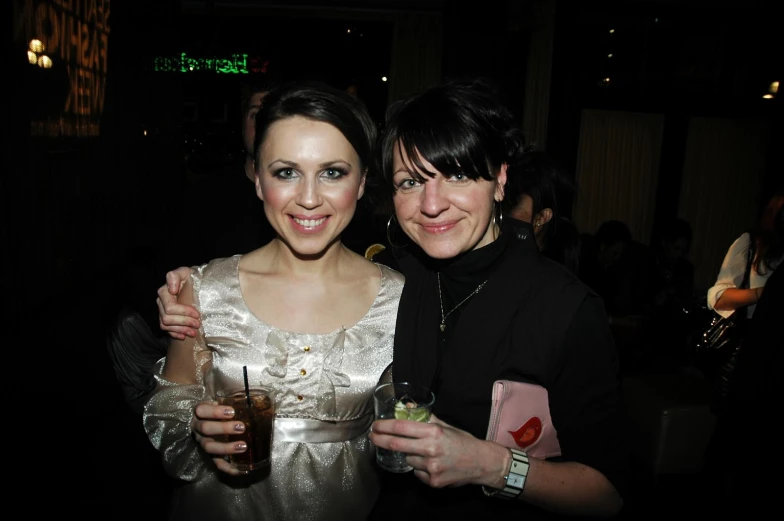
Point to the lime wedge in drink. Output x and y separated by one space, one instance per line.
401 411
410 411
418 415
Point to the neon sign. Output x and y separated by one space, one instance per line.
235 64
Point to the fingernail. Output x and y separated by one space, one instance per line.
228 411
240 447
239 427
191 333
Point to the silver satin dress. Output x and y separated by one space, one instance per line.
323 464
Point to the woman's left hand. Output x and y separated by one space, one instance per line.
443 455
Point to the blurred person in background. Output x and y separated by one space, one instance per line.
753 404
546 191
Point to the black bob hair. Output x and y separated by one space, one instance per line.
459 126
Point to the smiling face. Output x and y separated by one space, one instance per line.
310 178
445 216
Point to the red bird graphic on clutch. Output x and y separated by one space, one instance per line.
528 434
520 418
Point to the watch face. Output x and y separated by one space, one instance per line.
515 480
517 471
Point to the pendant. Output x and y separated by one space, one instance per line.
442 327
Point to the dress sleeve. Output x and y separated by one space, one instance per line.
167 421
168 413
730 274
586 403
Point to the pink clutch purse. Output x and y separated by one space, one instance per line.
520 419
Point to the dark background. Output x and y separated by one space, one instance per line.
92 224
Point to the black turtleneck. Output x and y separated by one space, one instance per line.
532 322
419 314
460 277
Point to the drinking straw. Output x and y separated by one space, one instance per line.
250 407
247 388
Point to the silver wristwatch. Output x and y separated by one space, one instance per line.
515 477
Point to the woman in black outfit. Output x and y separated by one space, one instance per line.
480 304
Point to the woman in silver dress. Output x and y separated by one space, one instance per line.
303 314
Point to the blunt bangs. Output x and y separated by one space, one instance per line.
438 130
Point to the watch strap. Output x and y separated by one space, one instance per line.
514 479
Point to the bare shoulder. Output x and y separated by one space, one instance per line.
358 267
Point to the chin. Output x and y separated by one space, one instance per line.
441 251
308 248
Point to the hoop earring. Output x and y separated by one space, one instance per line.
499 221
389 234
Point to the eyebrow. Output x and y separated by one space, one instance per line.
325 164
416 173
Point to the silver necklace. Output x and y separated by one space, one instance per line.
441 301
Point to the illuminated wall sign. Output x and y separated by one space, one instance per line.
236 64
75 34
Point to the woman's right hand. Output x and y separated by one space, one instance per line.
211 420
178 320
